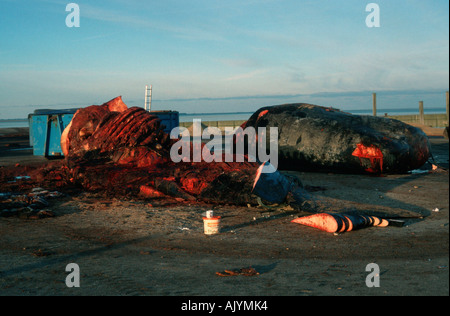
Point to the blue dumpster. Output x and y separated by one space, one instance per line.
46 127
170 119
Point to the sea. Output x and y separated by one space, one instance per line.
234 116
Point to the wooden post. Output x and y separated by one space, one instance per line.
448 120
421 114
374 104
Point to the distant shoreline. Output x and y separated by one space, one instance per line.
408 115
390 112
12 120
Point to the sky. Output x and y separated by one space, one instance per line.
222 56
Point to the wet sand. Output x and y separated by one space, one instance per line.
157 247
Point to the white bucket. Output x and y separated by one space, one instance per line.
211 225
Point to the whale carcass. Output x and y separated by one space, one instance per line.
121 150
317 138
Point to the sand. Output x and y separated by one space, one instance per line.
158 248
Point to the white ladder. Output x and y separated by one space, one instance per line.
148 98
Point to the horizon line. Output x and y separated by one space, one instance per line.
249 112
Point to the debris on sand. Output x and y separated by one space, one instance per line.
41 253
244 271
32 205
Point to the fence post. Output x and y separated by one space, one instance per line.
421 114
374 104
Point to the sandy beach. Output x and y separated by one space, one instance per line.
158 247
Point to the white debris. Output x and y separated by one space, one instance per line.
419 171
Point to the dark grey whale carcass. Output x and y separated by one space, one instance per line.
317 138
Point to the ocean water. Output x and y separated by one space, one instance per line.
13 123
234 116
188 117
246 115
